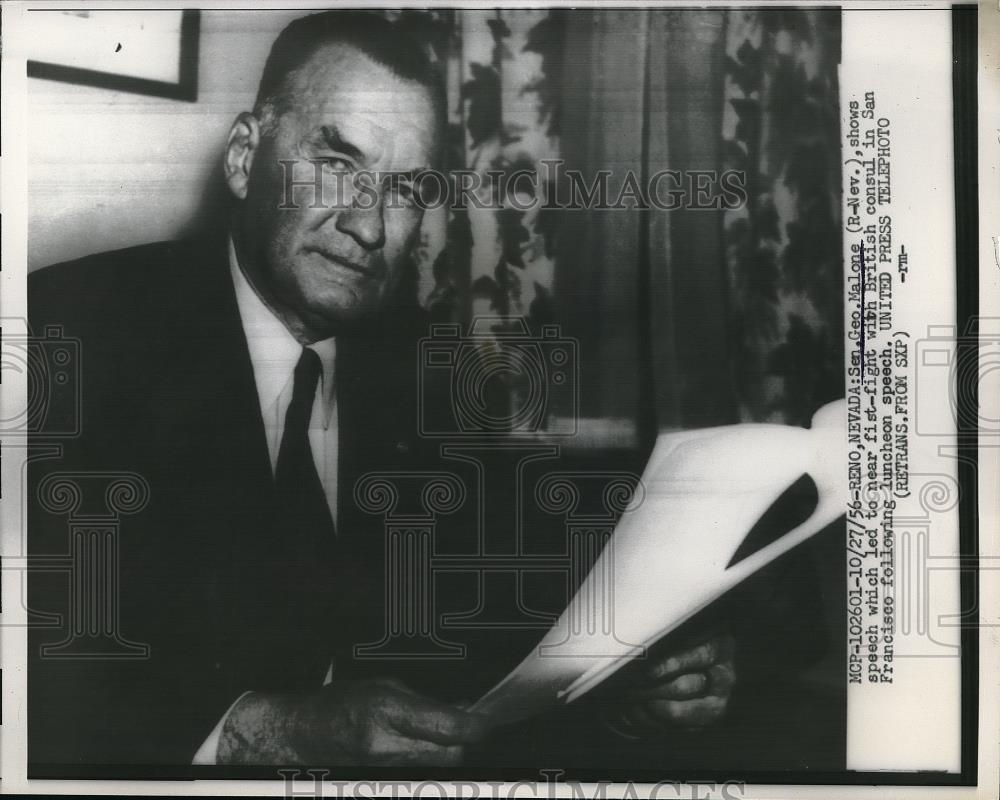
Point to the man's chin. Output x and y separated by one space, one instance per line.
337 320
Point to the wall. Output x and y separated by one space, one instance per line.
111 169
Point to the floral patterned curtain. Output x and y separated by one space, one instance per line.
684 318
783 249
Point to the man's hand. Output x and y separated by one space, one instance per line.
689 689
354 722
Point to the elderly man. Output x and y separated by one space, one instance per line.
249 380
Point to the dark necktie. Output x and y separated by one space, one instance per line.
296 481
303 542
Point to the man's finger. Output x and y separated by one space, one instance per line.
721 678
450 756
695 659
388 747
638 718
692 713
683 687
421 753
420 718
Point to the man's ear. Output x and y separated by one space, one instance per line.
241 146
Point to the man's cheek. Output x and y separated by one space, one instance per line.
402 227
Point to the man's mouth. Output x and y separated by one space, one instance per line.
343 262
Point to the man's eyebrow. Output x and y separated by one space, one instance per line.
333 140
406 174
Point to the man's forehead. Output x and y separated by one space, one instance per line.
341 74
376 110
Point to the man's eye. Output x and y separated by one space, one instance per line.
400 193
336 164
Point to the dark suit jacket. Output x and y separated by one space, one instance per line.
168 395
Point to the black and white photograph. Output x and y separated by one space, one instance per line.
553 396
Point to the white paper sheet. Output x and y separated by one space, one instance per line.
701 493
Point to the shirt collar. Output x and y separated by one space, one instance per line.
274 352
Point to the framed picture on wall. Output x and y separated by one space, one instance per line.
146 53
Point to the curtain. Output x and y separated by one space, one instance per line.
685 317
783 248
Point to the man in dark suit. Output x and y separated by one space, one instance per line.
247 381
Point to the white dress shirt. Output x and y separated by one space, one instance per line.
274 352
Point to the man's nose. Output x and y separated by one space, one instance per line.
364 222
